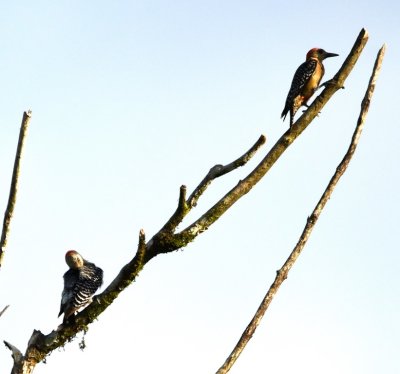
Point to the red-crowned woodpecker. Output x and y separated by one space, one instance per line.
81 282
305 81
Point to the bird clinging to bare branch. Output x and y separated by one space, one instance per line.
305 81
81 282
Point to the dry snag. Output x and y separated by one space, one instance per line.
12 199
4 309
169 238
311 221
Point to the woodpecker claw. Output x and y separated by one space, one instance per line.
305 110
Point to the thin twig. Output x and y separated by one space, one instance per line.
179 214
219 170
311 221
14 184
141 251
184 206
5 308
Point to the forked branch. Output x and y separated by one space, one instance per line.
167 240
311 221
220 170
185 206
244 186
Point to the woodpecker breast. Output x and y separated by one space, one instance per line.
312 79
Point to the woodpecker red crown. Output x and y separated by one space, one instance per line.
71 252
311 52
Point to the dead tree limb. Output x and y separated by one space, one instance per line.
14 184
311 221
167 240
244 186
185 206
20 365
4 309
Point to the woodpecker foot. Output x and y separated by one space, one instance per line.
307 106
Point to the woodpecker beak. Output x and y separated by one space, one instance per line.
328 54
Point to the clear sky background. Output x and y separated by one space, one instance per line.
130 100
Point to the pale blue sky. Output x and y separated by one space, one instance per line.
132 99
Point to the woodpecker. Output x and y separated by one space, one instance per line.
305 81
81 281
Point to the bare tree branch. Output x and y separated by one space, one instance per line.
216 171
14 185
40 345
311 221
281 145
17 357
220 170
166 240
5 308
